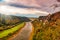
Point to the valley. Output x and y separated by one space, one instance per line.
25 28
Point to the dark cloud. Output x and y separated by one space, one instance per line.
58 0
22 6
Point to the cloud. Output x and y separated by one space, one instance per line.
22 6
42 5
5 9
9 9
34 7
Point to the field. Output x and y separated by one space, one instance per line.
11 31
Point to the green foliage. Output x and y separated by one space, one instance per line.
11 31
8 21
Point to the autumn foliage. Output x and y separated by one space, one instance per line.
48 28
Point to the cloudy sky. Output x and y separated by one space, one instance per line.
29 8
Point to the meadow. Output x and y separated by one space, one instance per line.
11 30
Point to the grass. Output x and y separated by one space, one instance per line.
11 31
47 31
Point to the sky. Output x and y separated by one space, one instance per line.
29 8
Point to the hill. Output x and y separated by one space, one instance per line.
9 21
47 27
55 16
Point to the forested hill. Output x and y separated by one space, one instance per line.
50 17
11 21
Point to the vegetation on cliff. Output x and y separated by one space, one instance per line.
47 28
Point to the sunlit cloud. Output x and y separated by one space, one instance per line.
5 9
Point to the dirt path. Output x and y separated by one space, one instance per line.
24 33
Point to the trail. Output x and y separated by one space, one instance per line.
24 33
